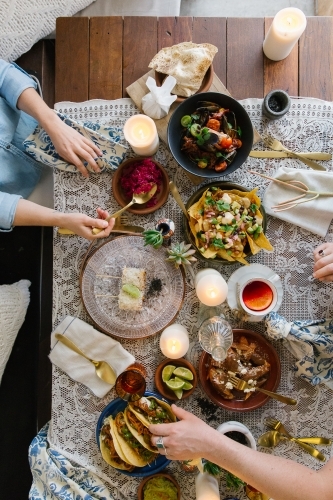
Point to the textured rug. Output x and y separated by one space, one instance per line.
24 22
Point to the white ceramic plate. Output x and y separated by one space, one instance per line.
246 273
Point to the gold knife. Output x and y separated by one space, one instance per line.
175 193
283 154
119 229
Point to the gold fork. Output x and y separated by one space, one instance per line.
276 425
278 146
240 385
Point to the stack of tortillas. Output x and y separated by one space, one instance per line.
188 62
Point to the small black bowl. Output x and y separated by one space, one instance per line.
276 104
175 132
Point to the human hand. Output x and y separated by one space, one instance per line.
72 146
185 439
323 257
82 224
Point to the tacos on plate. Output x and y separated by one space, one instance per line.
134 452
111 452
151 410
138 429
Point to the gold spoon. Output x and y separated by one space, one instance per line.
276 437
272 438
137 198
103 369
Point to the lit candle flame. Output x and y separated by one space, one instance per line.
211 292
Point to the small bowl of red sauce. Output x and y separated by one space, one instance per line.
137 175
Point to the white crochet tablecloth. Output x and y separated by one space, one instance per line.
75 411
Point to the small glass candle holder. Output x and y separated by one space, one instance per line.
216 337
131 384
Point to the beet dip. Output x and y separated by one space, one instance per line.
139 177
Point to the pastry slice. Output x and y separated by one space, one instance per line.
133 282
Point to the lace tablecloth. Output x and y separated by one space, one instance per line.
75 411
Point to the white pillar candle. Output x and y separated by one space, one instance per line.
210 287
174 341
206 487
285 30
141 133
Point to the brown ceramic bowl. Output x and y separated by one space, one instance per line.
120 197
163 389
205 85
146 479
257 399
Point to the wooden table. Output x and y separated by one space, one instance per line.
98 58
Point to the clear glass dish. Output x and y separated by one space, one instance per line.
215 337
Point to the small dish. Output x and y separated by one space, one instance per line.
119 194
166 476
257 399
244 274
233 426
204 87
164 389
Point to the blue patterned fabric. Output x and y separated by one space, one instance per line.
41 148
311 342
55 477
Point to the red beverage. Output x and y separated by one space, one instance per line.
130 385
257 296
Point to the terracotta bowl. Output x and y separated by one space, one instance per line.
205 85
164 389
120 197
256 400
146 479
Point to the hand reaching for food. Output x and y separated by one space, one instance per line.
323 257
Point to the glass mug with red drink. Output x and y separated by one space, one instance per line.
131 384
258 296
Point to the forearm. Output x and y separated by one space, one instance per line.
30 214
275 476
31 103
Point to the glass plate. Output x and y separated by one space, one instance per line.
101 282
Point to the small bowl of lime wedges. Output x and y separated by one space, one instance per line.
176 379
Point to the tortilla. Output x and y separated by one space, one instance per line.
138 429
188 62
228 240
130 447
110 450
160 413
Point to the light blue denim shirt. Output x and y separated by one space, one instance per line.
19 173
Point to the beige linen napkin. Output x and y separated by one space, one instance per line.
95 345
314 216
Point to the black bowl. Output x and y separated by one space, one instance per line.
226 186
175 131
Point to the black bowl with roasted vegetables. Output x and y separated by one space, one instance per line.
210 134
232 241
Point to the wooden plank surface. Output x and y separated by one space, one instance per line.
173 30
106 73
72 59
316 59
213 30
139 47
245 57
281 74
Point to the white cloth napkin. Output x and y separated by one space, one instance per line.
314 216
157 103
95 345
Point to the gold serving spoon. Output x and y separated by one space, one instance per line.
137 198
272 438
103 369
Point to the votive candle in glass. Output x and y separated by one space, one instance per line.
286 28
174 341
141 133
210 287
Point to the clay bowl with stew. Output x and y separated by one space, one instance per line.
119 195
162 475
204 87
163 389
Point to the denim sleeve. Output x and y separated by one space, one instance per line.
8 204
13 81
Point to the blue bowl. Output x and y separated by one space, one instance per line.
115 407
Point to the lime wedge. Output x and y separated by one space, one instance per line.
132 290
167 372
174 384
184 373
179 393
187 386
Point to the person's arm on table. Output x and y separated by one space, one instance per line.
71 145
323 257
30 214
277 477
